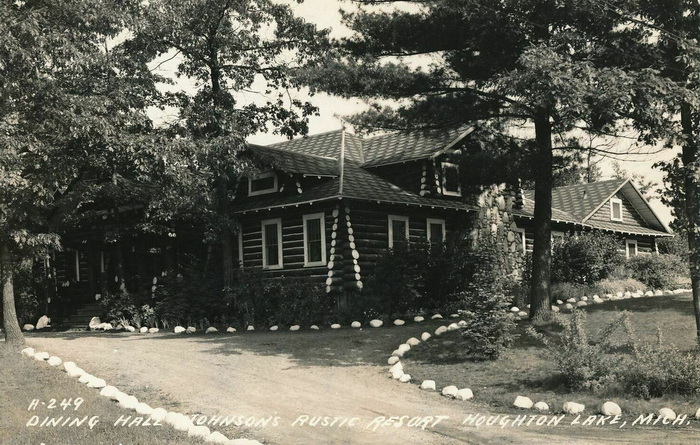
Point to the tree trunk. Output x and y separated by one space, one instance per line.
13 333
540 292
691 187
228 263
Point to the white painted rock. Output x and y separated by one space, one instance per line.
41 356
130 328
637 295
27 352
523 314
356 324
274 328
464 394
541 406
231 330
28 327
436 317
597 301
190 330
697 414
393 360
425 336
211 330
559 302
450 391
95 382
568 306
144 409
376 323
584 298
250 328
217 437
85 378
396 366
159 414
667 413
109 392
143 330
126 401
413 341
335 326
399 322
619 294
610 409
43 322
75 372
428 385
523 402
573 408
462 323
454 315
515 309
179 330
314 327
658 293
453 327
649 293
94 323
153 330
418 318
294 327
67 365
403 347
627 294
198 431
555 309
397 353
179 421
571 300
54 361
405 378
396 373
581 304
440 330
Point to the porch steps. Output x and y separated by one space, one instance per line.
83 315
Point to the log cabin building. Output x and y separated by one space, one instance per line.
325 207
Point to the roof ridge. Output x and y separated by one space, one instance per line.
299 153
306 136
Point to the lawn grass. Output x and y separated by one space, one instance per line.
25 379
524 369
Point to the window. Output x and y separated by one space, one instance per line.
450 180
262 184
272 243
615 209
436 231
398 230
631 248
314 240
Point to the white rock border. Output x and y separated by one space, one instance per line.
177 420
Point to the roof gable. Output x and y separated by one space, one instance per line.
582 200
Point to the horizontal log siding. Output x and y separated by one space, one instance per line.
630 216
370 224
292 241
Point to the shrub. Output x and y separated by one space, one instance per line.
584 259
564 291
582 363
656 271
614 285
657 369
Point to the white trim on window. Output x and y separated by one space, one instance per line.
522 238
278 223
102 261
240 246
429 222
393 218
613 203
322 261
628 244
263 191
77 265
444 166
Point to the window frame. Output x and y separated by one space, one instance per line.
391 219
444 166
280 256
628 243
523 240
240 246
265 175
613 202
429 222
323 260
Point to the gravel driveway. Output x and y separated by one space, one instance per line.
259 376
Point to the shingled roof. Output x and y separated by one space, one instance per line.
296 163
580 200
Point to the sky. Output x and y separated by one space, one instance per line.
326 14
